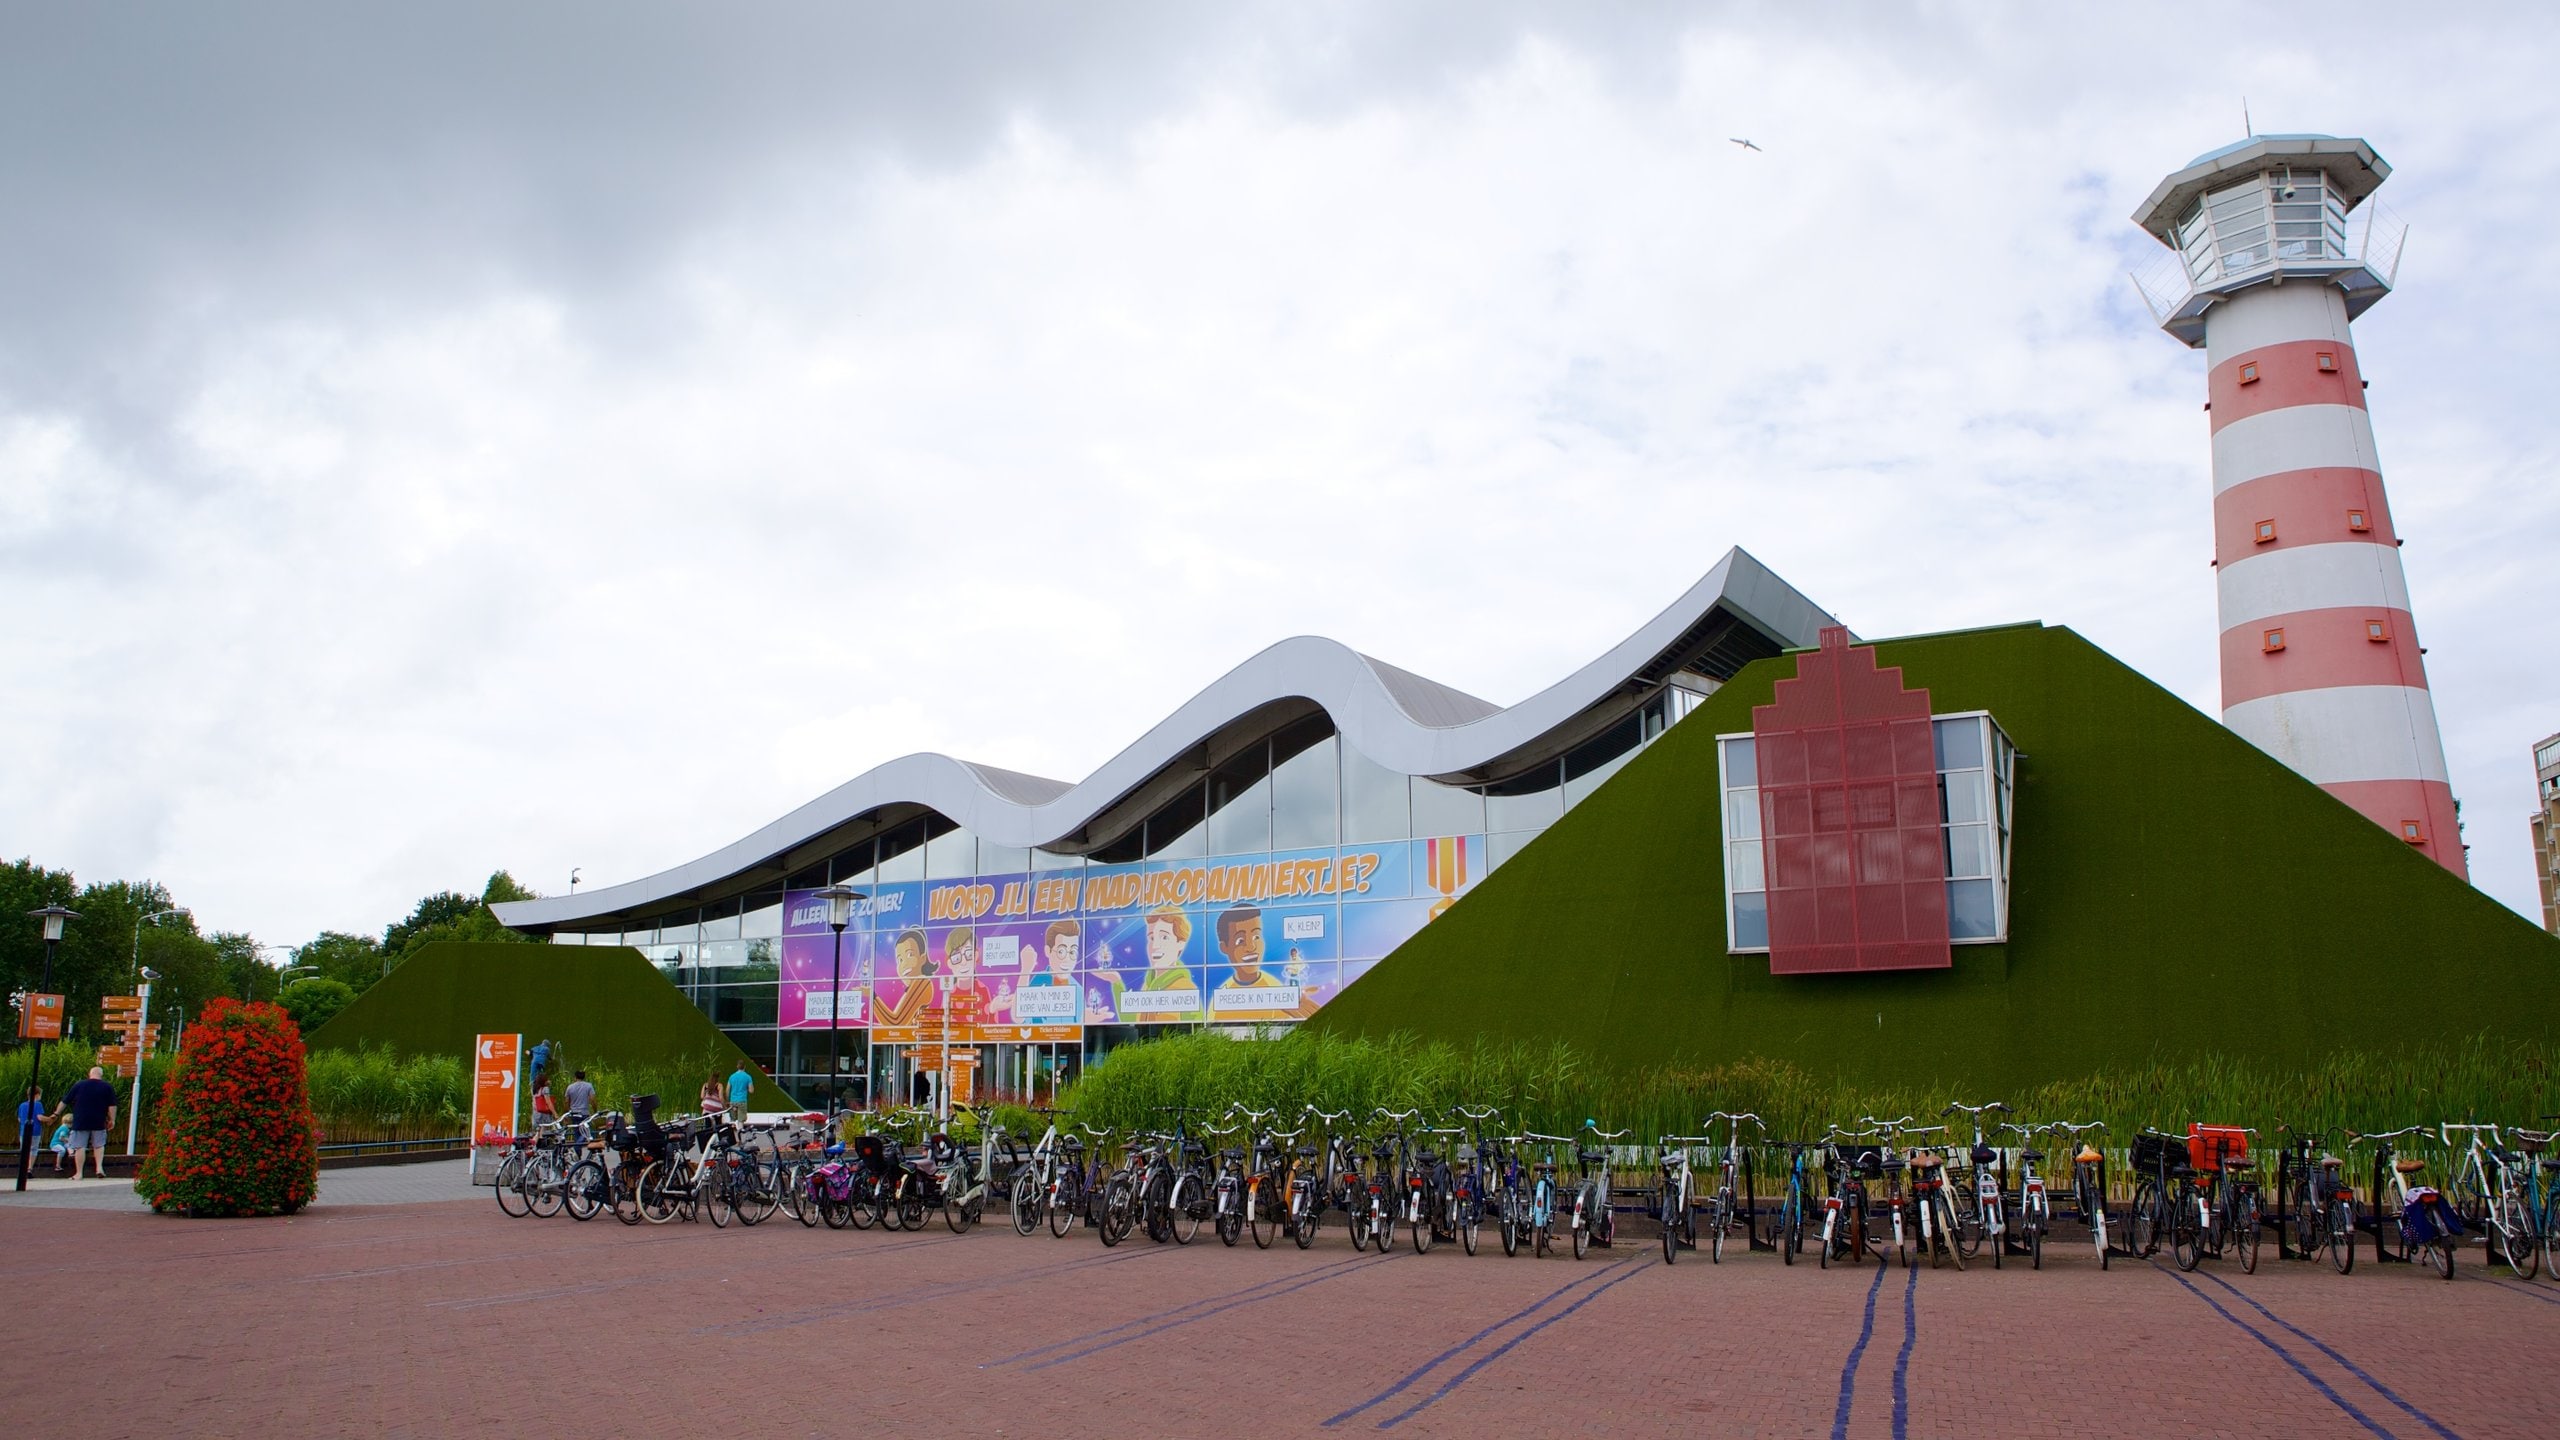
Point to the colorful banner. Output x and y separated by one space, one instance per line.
1034 958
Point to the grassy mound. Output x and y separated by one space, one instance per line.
2177 895
606 1005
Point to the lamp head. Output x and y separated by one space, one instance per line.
840 902
53 917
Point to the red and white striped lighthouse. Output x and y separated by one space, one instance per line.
2277 246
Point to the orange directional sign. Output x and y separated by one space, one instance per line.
493 1088
122 1002
40 1018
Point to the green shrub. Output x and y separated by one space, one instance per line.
312 1003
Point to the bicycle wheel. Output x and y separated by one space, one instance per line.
1542 1214
1510 1222
791 1191
1119 1209
625 1181
2342 1232
542 1181
659 1199
1719 1220
1024 1203
1305 1213
1188 1206
912 1207
959 1211
1470 1215
1581 1222
1069 1204
510 1185
753 1193
1790 1225
1971 1227
868 1205
1262 1215
2035 1249
585 1190
2439 1256
1356 1204
1949 1228
1426 1218
2517 1244
711 1189
2186 1232
2142 1222
1230 1208
2245 1221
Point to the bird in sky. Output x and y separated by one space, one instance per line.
1747 145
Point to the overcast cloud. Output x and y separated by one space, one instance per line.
574 435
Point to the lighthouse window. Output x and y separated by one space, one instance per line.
2413 832
2377 631
2249 373
2328 362
2266 531
2274 641
2357 522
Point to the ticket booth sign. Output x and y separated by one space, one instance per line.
40 1018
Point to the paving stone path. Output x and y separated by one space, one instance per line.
379 1313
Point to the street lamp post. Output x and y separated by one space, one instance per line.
53 917
142 987
840 902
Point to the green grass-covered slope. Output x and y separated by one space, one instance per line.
2177 893
604 1004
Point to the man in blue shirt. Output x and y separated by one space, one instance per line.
741 1086
92 1104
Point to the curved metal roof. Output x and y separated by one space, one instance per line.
1738 612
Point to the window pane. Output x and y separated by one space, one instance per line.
1240 804
951 855
1045 860
994 859
1178 831
1375 802
1745 867
720 922
1579 788
1968 850
1499 848
763 917
1531 802
1960 797
901 854
1302 797
1959 743
1742 814
1750 923
1444 810
1741 762
1969 910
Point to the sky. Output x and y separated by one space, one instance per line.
438 439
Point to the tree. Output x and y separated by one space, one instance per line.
354 961
452 915
244 975
235 1135
312 1002
25 886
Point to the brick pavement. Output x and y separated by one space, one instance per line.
417 1319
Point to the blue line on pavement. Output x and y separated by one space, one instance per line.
1159 1315
1436 1361
2529 1294
1849 1370
1902 1361
1498 1351
1336 1273
2287 1356
2378 1388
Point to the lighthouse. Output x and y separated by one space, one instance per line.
2275 247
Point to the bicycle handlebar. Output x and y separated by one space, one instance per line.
1328 1116
2388 1134
1487 1113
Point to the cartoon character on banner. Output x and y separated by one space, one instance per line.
1240 941
913 983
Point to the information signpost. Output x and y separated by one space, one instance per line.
128 1018
494 1094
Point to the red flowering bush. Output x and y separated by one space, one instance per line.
235 1135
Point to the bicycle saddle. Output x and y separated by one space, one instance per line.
1305 1152
2330 1162
2088 1155
1927 1160
2030 1154
2407 1166
1231 1153
1985 1155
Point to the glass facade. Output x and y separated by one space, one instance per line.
1248 899
1977 783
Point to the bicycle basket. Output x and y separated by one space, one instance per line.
2154 1152
1866 1160
2201 1145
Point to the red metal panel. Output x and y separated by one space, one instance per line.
1849 818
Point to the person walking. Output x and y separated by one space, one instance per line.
31 1113
581 1097
742 1087
715 1099
92 1103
